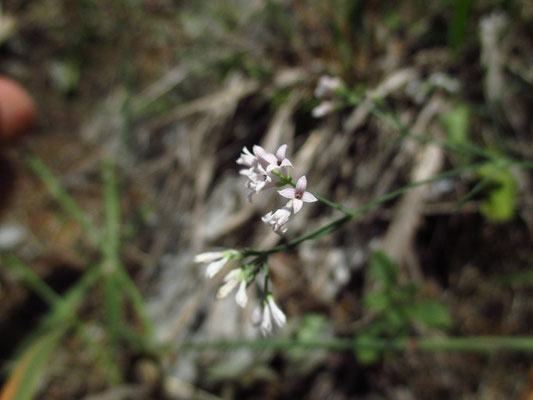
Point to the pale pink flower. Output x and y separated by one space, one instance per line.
258 176
298 195
260 154
323 109
278 219
278 161
247 158
327 85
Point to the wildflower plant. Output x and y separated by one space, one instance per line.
263 171
271 173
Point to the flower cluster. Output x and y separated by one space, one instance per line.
268 316
263 171
326 90
266 170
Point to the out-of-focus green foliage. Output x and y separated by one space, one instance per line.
456 124
500 198
397 307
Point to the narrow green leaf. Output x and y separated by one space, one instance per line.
459 23
111 246
64 199
31 279
113 313
25 379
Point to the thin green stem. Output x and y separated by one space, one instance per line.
333 204
390 116
325 230
477 344
31 279
111 246
287 180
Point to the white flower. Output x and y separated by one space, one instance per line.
247 158
279 161
259 178
298 195
216 260
277 315
271 317
327 85
323 109
208 256
241 297
266 322
257 315
232 279
278 219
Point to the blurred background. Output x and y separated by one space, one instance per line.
120 124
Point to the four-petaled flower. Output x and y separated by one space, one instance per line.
298 195
277 161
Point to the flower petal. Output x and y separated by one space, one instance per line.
309 197
267 217
256 316
208 257
297 205
288 193
271 167
277 315
282 151
214 267
301 184
258 151
226 288
286 163
241 297
266 322
234 274
270 158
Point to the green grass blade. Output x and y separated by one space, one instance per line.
137 300
65 311
113 313
25 379
111 250
111 246
31 279
64 199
